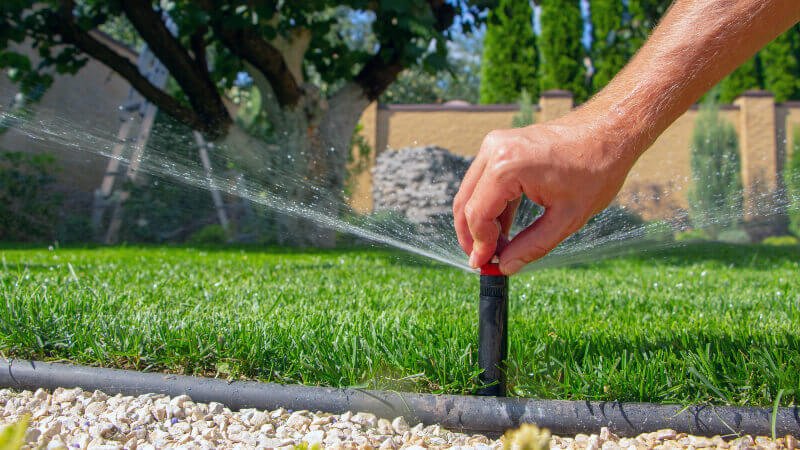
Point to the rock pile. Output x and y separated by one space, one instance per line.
77 419
419 183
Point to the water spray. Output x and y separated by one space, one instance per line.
493 327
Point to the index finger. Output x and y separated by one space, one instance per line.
483 211
459 202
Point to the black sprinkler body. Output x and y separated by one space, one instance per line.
493 330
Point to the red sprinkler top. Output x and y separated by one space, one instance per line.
493 266
492 269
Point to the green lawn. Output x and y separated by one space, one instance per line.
703 323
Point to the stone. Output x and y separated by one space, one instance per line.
664 435
215 408
314 437
180 400
418 184
399 425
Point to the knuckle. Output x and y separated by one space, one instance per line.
471 213
458 203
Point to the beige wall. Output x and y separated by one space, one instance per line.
657 185
88 101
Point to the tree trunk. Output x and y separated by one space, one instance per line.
301 167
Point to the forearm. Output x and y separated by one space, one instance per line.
696 44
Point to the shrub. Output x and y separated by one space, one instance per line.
612 220
28 202
781 241
525 115
209 235
697 234
164 211
791 177
716 198
734 236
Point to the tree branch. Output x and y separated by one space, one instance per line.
72 34
198 43
194 80
377 74
259 53
383 68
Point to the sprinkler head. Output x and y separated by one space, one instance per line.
493 326
493 266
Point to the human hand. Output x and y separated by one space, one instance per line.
573 167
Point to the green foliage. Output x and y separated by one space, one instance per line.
461 81
28 202
780 66
525 115
694 235
734 236
609 46
781 241
344 36
636 328
358 159
509 56
613 220
791 178
209 235
306 446
745 77
716 197
12 437
644 16
561 64
162 211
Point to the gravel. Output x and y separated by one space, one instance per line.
73 419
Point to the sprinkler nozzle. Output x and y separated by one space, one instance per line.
493 327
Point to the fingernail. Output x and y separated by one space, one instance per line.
512 266
473 260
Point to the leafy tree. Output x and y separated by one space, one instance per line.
561 65
509 55
747 76
716 198
317 64
460 82
780 66
791 178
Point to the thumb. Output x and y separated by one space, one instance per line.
537 240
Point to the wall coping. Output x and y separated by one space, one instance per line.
722 107
432 107
512 107
756 93
556 93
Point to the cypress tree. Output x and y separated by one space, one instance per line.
561 49
745 77
780 66
716 198
509 54
608 45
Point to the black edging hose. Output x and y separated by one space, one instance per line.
490 415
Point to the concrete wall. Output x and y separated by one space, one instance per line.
657 185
